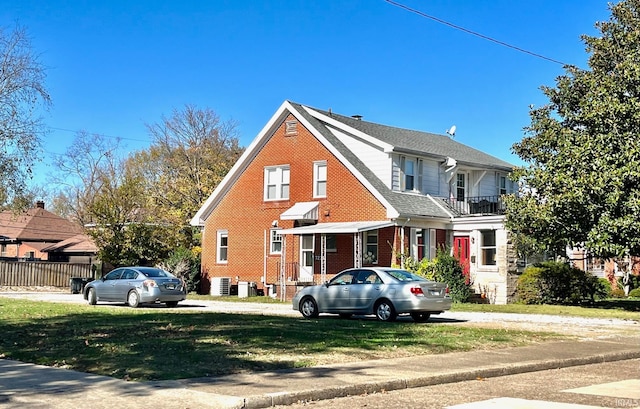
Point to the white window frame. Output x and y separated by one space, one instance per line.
487 250
280 182
220 248
274 239
370 247
502 185
405 174
461 177
319 178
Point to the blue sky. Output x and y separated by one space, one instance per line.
114 66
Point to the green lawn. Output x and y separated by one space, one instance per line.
152 344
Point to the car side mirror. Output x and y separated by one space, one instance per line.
326 284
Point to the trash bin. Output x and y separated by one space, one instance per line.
253 289
77 284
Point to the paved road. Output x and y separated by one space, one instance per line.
610 385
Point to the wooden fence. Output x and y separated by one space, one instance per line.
40 273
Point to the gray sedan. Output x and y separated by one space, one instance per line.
135 286
384 292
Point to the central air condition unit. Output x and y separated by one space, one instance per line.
221 286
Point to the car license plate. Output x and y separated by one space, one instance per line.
170 286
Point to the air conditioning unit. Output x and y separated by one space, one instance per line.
220 286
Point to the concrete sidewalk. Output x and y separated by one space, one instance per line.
32 386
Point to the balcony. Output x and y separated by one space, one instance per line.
477 205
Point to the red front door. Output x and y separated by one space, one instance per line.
461 252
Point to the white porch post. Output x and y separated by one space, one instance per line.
283 258
357 250
323 258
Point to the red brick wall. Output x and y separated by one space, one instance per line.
246 216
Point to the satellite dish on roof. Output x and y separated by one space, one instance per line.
452 131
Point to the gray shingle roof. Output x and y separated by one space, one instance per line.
429 144
406 204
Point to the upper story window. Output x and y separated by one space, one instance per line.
320 179
409 174
223 246
461 186
411 177
502 187
276 182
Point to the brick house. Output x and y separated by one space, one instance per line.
39 235
317 192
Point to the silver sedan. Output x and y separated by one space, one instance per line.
384 292
135 286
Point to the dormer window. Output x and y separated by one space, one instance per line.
411 176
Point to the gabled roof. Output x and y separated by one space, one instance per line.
36 224
389 139
80 243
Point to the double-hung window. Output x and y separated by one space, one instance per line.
370 255
488 247
276 182
223 246
408 169
276 242
502 188
320 179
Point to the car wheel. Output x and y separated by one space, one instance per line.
172 304
133 299
92 297
308 307
385 311
420 316
345 315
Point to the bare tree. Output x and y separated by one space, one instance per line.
81 173
191 153
22 92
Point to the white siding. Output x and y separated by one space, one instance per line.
431 178
488 185
377 160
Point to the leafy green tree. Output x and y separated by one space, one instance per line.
124 228
581 181
22 92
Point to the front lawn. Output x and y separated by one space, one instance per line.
152 344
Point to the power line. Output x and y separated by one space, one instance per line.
502 43
100 134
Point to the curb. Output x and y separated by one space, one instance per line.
364 388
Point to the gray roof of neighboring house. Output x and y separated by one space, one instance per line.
407 140
404 203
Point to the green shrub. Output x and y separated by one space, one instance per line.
447 269
604 289
635 293
558 283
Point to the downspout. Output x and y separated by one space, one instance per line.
264 263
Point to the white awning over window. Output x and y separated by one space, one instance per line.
301 211
337 228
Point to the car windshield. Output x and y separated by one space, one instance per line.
154 272
403 275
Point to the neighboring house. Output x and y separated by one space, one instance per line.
317 192
39 235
